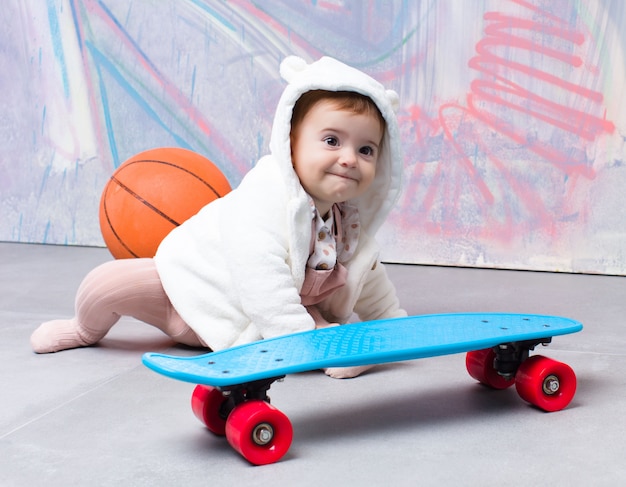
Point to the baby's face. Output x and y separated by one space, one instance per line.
335 154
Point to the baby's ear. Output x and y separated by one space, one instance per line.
394 100
291 66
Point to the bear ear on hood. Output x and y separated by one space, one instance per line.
291 66
394 100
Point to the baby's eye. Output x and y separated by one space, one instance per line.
367 150
331 140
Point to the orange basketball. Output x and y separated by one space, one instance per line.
152 193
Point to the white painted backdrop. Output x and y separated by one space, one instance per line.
513 113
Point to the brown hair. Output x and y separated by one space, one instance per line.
343 100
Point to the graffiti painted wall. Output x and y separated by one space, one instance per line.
513 113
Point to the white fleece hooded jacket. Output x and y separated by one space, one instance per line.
234 271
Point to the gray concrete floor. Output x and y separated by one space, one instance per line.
96 416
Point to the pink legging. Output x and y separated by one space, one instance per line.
128 287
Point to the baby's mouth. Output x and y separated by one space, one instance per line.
344 176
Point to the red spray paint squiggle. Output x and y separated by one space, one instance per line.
512 154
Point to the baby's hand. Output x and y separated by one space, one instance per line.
321 326
342 372
346 372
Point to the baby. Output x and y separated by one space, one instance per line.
290 249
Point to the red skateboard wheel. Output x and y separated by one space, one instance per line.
259 432
545 383
206 402
479 364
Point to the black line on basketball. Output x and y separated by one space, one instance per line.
142 200
206 183
112 228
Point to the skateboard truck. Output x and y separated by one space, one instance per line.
243 413
509 356
240 393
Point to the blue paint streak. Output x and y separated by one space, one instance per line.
45 233
57 46
76 25
104 98
220 18
127 37
44 179
193 83
101 61
43 118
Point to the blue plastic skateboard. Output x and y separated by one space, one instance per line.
231 396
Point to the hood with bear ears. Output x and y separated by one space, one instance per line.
331 75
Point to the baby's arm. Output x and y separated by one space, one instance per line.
258 248
378 299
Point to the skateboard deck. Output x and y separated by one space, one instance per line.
231 395
374 342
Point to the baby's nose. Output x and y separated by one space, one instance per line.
348 157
